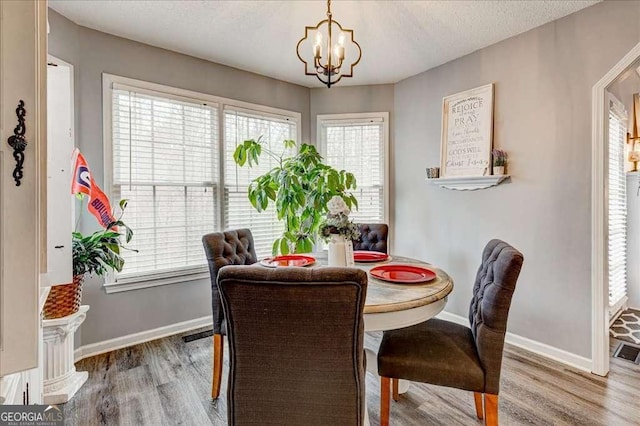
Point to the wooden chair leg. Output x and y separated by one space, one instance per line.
385 386
477 396
490 409
394 387
218 356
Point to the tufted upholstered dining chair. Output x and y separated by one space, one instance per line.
234 247
295 345
373 237
448 354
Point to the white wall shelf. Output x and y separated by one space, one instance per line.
468 183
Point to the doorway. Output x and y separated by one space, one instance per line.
600 209
624 207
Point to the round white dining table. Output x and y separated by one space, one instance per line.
390 306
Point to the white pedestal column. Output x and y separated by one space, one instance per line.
61 380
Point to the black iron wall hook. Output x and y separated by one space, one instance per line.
18 142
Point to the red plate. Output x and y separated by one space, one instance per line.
288 260
407 274
369 256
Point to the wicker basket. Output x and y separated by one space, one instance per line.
64 300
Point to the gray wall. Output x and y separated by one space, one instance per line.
542 118
543 80
92 53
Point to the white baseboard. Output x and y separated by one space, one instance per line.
542 349
141 337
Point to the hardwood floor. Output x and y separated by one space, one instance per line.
167 382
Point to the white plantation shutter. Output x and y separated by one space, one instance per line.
617 207
241 125
165 161
359 146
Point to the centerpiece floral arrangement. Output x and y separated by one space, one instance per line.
337 221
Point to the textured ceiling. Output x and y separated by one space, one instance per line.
398 38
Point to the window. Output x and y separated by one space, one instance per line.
239 126
617 194
359 144
171 155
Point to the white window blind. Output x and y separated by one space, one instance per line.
358 146
165 161
241 125
617 208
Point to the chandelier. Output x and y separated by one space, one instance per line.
329 55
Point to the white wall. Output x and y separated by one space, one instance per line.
543 80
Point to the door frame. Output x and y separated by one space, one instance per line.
600 215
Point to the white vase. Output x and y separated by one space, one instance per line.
340 251
498 170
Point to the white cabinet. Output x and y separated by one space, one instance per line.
59 198
23 206
24 388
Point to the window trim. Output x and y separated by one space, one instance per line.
187 274
364 117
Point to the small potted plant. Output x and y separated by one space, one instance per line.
97 253
499 161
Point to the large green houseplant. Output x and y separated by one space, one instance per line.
300 186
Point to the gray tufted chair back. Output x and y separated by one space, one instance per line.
234 247
373 237
489 310
296 345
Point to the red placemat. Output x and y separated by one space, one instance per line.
369 256
288 260
405 274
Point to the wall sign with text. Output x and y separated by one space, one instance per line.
467 133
